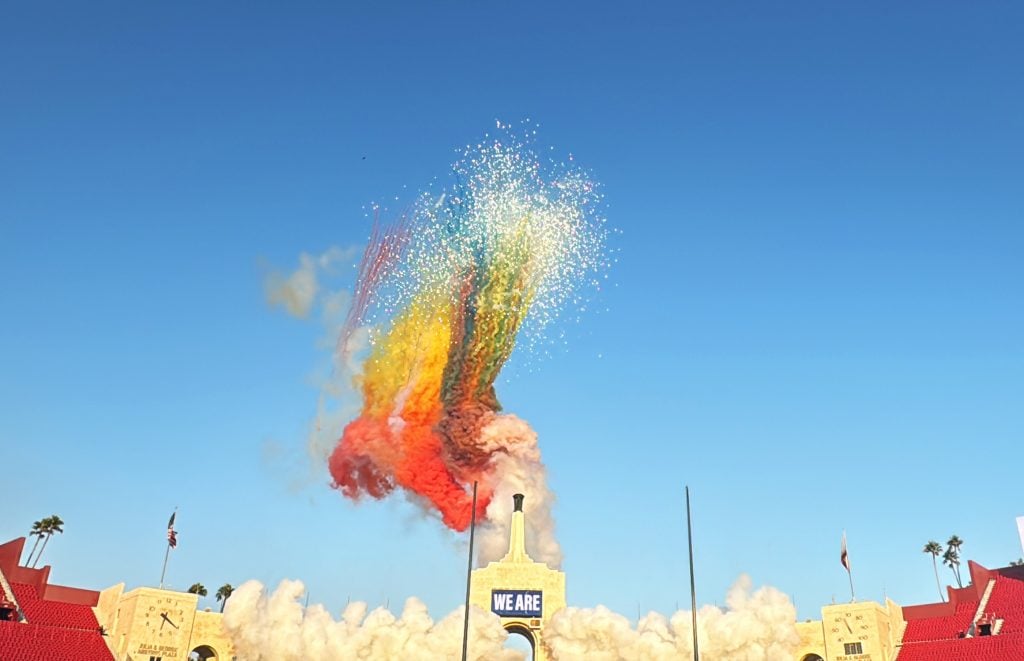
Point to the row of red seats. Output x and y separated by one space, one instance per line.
983 648
21 641
941 628
1007 604
53 613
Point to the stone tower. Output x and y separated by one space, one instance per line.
523 593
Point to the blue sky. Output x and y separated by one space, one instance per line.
816 319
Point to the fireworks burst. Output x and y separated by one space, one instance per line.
449 290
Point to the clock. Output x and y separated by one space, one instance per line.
164 619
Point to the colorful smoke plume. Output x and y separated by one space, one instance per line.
447 292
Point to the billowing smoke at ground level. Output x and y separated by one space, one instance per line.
276 627
755 625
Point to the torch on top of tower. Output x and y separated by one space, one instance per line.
517 533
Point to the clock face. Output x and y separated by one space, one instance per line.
164 619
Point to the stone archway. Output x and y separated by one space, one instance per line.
523 593
526 635
203 653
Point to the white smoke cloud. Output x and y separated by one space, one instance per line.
297 292
516 468
265 627
338 402
755 626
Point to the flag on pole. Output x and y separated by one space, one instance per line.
844 557
172 537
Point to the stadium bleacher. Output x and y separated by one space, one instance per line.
984 622
50 622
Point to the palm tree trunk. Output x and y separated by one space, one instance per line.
938 583
42 549
34 546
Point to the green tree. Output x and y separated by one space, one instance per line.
1017 563
952 560
933 548
52 524
198 588
223 592
38 530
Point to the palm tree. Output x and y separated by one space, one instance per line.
53 524
952 560
934 548
955 543
198 588
223 593
38 530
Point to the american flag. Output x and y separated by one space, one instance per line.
172 537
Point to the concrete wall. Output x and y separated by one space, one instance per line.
521 576
138 629
877 628
812 640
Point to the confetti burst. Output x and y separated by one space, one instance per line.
451 288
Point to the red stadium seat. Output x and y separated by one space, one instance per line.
929 639
52 630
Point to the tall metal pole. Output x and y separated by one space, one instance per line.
167 554
469 578
845 558
693 589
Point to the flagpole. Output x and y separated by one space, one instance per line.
469 578
167 554
844 558
693 590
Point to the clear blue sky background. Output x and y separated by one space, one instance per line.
817 321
